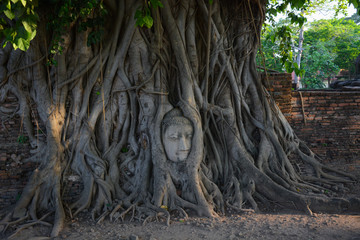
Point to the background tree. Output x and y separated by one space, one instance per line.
342 38
319 65
355 17
271 54
106 108
331 44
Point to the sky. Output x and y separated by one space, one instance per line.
330 14
323 14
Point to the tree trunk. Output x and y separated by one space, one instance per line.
172 118
298 56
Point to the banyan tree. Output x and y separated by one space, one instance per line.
172 118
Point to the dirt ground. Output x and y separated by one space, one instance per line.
284 225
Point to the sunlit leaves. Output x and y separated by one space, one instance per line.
9 14
318 64
143 14
344 36
328 46
143 18
282 37
19 24
279 40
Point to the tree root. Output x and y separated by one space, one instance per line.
6 222
239 210
29 224
144 213
103 108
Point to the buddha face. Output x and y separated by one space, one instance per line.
177 141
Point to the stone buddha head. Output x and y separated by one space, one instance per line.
177 134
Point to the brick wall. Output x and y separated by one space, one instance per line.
14 148
279 86
329 121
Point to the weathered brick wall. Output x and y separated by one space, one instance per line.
329 121
279 86
14 148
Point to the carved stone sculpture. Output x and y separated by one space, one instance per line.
177 134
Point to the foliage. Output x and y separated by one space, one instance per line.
282 34
318 64
18 22
276 50
143 14
268 56
22 139
91 15
345 36
329 45
277 47
341 38
355 17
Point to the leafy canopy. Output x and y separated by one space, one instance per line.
319 64
283 36
143 14
344 35
18 22
90 15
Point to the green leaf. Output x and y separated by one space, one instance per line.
9 14
297 3
23 2
272 37
139 17
156 3
354 2
288 67
22 139
296 65
148 20
21 43
8 5
22 38
14 1
124 150
27 27
290 56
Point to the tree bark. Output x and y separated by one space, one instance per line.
104 107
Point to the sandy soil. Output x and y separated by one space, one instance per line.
286 225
